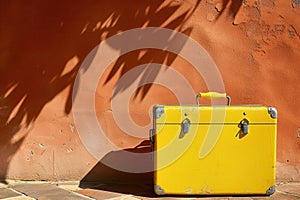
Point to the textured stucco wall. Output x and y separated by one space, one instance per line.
255 45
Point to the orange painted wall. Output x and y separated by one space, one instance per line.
255 45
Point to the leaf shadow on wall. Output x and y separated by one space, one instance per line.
43 44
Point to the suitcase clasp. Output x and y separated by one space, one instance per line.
244 125
185 127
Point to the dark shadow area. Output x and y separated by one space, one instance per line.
104 177
234 7
240 134
4 182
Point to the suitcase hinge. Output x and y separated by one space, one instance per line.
151 137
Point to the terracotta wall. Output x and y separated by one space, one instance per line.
254 44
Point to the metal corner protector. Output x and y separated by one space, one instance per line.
158 190
273 112
158 111
271 190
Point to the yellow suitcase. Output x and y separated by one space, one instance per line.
214 150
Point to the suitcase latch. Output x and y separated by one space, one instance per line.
244 126
185 127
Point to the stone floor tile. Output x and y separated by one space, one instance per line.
99 194
70 190
131 189
214 198
20 198
47 191
277 196
3 185
69 185
7 193
125 197
290 188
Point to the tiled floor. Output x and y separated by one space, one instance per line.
17 190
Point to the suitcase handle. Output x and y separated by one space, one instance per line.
213 95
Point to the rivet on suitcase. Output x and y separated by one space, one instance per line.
214 150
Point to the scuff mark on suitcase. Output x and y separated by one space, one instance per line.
189 190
